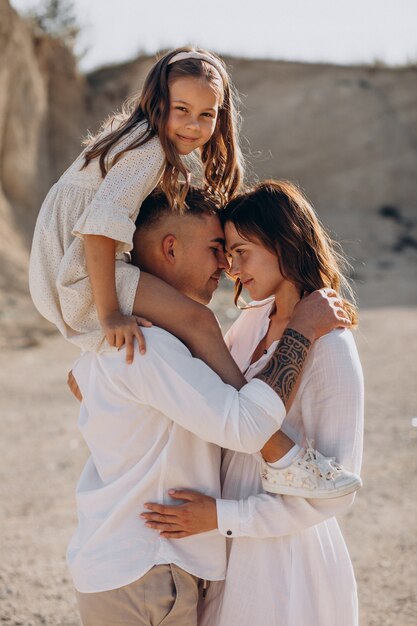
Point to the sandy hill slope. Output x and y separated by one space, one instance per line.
347 135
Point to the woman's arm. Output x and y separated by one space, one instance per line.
332 408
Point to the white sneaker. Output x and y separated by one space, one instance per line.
310 475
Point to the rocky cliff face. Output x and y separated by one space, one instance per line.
41 111
42 114
348 136
23 106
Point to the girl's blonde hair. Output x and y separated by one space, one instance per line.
279 216
221 156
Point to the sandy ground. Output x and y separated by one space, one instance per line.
42 454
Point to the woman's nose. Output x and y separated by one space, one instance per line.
234 268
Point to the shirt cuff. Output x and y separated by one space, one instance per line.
228 517
264 396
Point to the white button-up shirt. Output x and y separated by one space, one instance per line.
151 426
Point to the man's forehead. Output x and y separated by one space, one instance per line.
215 223
202 227
206 224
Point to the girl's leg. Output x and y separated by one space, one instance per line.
190 321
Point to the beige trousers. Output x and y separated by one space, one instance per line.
164 596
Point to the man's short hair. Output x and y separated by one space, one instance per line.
157 205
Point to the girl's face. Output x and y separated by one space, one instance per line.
194 107
256 267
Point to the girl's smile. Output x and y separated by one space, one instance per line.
194 106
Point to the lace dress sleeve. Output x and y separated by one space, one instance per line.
116 204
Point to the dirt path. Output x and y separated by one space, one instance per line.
42 455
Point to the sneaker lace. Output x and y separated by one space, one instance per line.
317 464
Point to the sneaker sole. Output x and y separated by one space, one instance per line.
319 495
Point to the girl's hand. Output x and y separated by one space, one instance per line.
197 515
121 330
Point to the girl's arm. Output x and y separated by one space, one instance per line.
107 226
118 329
332 407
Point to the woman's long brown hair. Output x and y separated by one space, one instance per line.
278 215
221 155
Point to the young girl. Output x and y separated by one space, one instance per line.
79 279
288 563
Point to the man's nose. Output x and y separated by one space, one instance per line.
222 261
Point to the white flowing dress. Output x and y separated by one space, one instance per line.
288 564
81 203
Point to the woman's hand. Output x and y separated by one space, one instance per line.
121 330
197 515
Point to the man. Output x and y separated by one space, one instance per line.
159 423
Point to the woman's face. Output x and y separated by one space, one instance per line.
256 267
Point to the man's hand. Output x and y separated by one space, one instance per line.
319 313
197 515
74 388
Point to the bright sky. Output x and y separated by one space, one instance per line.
335 31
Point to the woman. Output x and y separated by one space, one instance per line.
288 563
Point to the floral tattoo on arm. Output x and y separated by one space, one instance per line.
283 369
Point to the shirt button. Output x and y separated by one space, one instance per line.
228 532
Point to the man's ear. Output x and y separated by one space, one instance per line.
169 248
